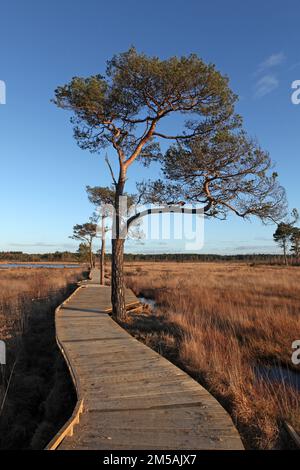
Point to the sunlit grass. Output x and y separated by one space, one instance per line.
220 320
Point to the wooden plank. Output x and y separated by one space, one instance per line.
68 428
176 428
133 397
292 434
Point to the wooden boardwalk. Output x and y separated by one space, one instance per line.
133 398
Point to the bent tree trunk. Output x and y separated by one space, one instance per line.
117 279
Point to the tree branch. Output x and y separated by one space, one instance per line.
141 144
111 170
174 209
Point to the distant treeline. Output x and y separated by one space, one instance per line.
195 257
68 256
65 256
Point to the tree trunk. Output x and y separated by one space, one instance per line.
91 257
102 262
284 254
117 259
117 280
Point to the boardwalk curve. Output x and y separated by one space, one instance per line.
130 397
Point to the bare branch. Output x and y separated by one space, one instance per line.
111 170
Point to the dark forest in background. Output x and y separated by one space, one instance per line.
67 256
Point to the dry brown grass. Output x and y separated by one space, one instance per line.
23 291
218 321
19 287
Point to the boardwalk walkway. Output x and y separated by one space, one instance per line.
132 397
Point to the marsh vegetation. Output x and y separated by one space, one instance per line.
221 322
36 393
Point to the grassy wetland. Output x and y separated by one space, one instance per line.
225 323
36 393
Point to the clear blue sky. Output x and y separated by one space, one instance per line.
45 43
